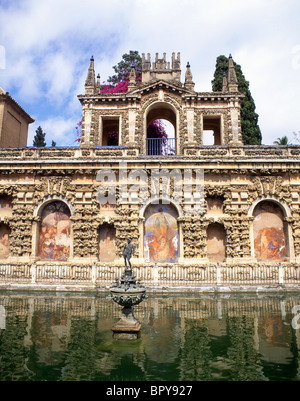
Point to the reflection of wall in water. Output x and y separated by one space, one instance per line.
200 323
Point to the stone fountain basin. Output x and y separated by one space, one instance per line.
128 297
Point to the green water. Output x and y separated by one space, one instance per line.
62 337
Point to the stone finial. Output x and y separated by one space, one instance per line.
225 83
132 79
90 82
189 84
232 82
98 85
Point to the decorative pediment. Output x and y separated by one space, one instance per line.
161 84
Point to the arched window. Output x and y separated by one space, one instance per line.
161 234
270 232
107 243
216 243
55 232
4 240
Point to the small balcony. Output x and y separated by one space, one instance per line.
161 146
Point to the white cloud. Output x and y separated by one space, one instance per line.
59 129
47 45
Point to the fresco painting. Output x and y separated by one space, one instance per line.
161 234
216 243
269 232
107 243
4 241
55 236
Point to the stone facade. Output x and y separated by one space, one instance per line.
191 209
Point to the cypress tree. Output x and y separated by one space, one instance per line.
39 138
249 118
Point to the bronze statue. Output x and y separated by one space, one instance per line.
128 251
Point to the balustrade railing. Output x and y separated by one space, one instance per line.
161 146
163 275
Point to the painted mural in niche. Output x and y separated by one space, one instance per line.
55 236
107 243
216 243
4 241
269 232
161 237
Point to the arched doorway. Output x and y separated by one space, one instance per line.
216 243
161 234
270 232
55 232
161 130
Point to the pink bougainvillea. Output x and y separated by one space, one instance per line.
120 87
78 131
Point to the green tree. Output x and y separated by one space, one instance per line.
249 118
39 138
282 141
122 69
53 143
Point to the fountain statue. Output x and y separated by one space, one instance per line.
127 293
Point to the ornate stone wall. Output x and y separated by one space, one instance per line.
76 184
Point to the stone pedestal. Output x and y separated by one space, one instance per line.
128 327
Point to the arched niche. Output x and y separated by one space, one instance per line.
216 243
4 240
106 243
161 233
161 112
55 231
270 232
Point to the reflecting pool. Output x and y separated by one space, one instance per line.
184 337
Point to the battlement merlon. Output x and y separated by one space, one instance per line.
160 68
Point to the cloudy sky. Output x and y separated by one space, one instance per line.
46 45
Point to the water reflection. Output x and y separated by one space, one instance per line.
184 337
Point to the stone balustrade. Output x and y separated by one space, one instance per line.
171 275
90 154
